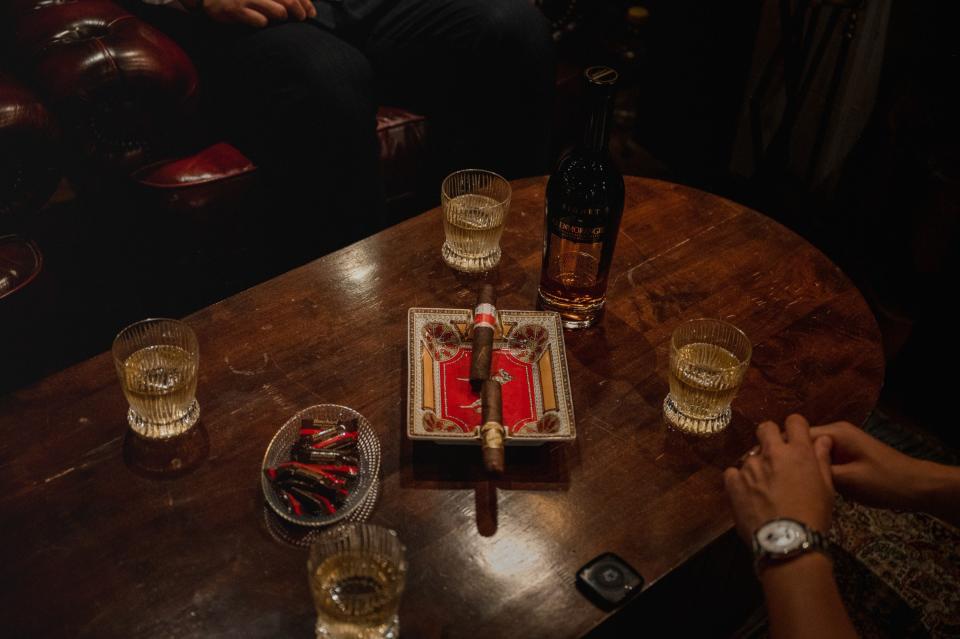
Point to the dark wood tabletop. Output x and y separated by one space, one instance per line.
105 536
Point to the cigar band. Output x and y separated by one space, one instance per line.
485 315
491 435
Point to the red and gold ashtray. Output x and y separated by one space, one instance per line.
529 360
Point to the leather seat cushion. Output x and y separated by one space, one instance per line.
402 137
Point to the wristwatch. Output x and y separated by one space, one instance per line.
782 539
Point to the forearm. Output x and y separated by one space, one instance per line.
803 600
940 492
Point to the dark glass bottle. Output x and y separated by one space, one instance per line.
584 204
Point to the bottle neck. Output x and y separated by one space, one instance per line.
596 134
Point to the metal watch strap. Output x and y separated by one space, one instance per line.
818 541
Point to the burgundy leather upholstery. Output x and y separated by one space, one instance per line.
401 134
220 161
27 293
28 152
218 174
402 142
20 263
221 170
125 96
120 88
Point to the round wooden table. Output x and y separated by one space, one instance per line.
114 551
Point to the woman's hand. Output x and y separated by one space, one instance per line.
866 470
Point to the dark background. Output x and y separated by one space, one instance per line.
889 215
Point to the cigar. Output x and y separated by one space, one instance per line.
492 431
484 321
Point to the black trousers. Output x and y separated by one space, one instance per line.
300 98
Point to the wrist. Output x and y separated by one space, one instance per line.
811 566
939 489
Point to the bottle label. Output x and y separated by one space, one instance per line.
576 232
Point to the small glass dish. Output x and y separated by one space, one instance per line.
278 451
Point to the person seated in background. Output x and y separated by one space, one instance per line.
782 499
295 84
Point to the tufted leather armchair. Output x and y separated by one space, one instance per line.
126 96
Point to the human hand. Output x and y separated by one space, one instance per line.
258 13
868 471
788 476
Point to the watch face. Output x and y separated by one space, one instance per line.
781 536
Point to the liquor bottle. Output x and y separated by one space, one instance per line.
584 204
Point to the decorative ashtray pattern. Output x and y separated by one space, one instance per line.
363 475
529 360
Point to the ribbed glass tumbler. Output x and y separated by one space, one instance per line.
157 362
357 573
708 359
475 205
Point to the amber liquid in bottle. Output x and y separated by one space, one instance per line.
584 204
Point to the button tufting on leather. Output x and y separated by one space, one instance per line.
52 3
83 31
